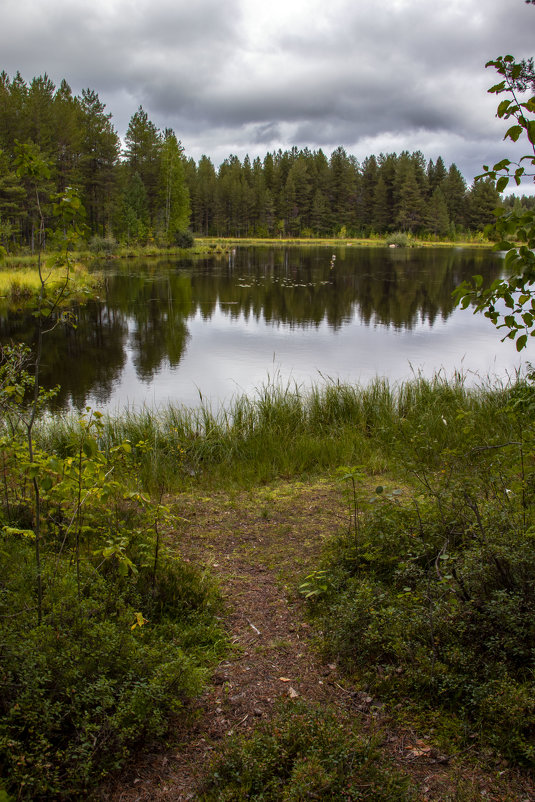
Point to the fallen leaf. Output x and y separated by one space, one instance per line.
292 693
284 679
418 749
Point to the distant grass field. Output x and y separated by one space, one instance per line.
18 284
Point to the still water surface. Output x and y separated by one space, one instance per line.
182 330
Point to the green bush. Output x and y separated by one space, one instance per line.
434 600
400 239
184 239
103 634
89 684
305 752
103 246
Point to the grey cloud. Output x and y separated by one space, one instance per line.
343 73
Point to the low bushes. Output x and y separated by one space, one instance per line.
104 633
431 594
305 752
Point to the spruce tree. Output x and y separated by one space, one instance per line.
482 199
436 215
454 190
174 201
409 211
381 208
143 150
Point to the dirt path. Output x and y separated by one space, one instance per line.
258 545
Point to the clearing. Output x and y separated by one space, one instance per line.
260 544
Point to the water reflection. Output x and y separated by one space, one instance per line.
230 315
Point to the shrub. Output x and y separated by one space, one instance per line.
399 238
103 634
433 598
85 687
103 245
305 752
184 239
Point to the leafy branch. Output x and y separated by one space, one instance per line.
509 302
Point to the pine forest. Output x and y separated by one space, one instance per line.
149 191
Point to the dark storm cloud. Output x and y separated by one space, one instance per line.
243 76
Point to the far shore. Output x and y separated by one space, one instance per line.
213 245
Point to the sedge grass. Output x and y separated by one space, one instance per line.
22 284
286 431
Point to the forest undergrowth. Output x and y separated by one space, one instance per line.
425 598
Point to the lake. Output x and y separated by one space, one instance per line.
207 329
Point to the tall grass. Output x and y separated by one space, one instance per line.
21 284
287 431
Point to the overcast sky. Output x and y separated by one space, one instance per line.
248 76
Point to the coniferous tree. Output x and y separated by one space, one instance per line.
382 215
12 199
38 114
298 188
206 196
294 191
436 216
135 218
100 149
410 203
143 150
454 190
436 173
482 199
344 171
174 202
366 198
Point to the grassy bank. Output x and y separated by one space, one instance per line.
20 282
205 246
284 431
477 241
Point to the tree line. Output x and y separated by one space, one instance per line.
149 191
304 193
134 194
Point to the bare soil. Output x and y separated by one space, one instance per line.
259 545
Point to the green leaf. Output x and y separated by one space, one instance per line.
13 530
502 108
516 71
90 447
503 165
514 132
521 342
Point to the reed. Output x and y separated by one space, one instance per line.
285 430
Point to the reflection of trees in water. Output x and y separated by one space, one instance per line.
160 332
145 308
156 308
398 287
82 360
